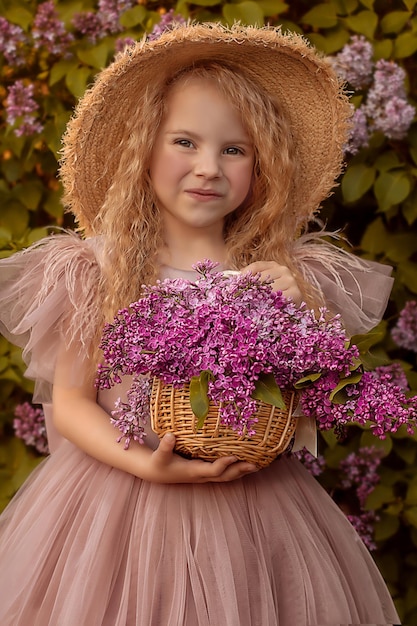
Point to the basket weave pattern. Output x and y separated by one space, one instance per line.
171 412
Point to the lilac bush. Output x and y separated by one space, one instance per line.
236 335
29 425
22 109
384 107
404 333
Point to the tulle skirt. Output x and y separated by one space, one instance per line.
84 544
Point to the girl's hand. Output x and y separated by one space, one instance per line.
281 276
168 467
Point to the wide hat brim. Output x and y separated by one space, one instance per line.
303 82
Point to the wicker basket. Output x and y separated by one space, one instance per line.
171 412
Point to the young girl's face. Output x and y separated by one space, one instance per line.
202 162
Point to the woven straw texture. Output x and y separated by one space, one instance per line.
284 65
171 412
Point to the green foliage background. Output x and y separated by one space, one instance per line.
375 205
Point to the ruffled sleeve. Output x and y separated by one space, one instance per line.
357 289
47 295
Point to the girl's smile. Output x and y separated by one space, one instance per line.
202 162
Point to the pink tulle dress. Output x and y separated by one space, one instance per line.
84 544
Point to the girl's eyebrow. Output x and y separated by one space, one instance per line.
243 141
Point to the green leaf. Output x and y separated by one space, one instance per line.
345 7
411 497
391 188
95 56
365 341
60 69
386 527
357 180
53 131
305 381
273 7
14 218
388 160
375 238
267 390
334 40
338 394
53 205
410 515
394 21
29 194
409 207
133 17
363 23
19 16
382 494
369 4
198 396
405 45
247 12
410 4
320 16
369 440
383 49
77 80
407 275
401 247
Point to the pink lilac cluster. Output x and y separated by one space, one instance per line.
13 41
106 20
360 472
384 108
22 109
166 22
29 425
375 400
355 62
314 464
125 415
404 333
236 328
49 32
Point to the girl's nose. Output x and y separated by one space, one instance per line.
207 164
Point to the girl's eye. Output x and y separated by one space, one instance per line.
185 143
233 150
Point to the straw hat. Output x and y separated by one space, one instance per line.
285 65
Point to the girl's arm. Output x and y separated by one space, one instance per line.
79 418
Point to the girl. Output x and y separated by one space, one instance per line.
208 143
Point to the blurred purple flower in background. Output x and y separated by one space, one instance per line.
404 333
12 42
29 425
49 31
21 109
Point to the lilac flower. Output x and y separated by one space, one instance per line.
386 103
89 25
49 31
122 43
359 134
354 63
29 425
315 465
360 471
236 330
12 43
404 333
21 109
167 21
131 416
109 12
364 526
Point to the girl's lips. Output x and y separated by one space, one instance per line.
203 194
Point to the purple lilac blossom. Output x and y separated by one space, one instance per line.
386 105
167 21
109 12
364 525
359 133
354 63
235 327
360 471
131 416
12 43
29 425
315 465
122 43
49 31
89 25
21 109
404 333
